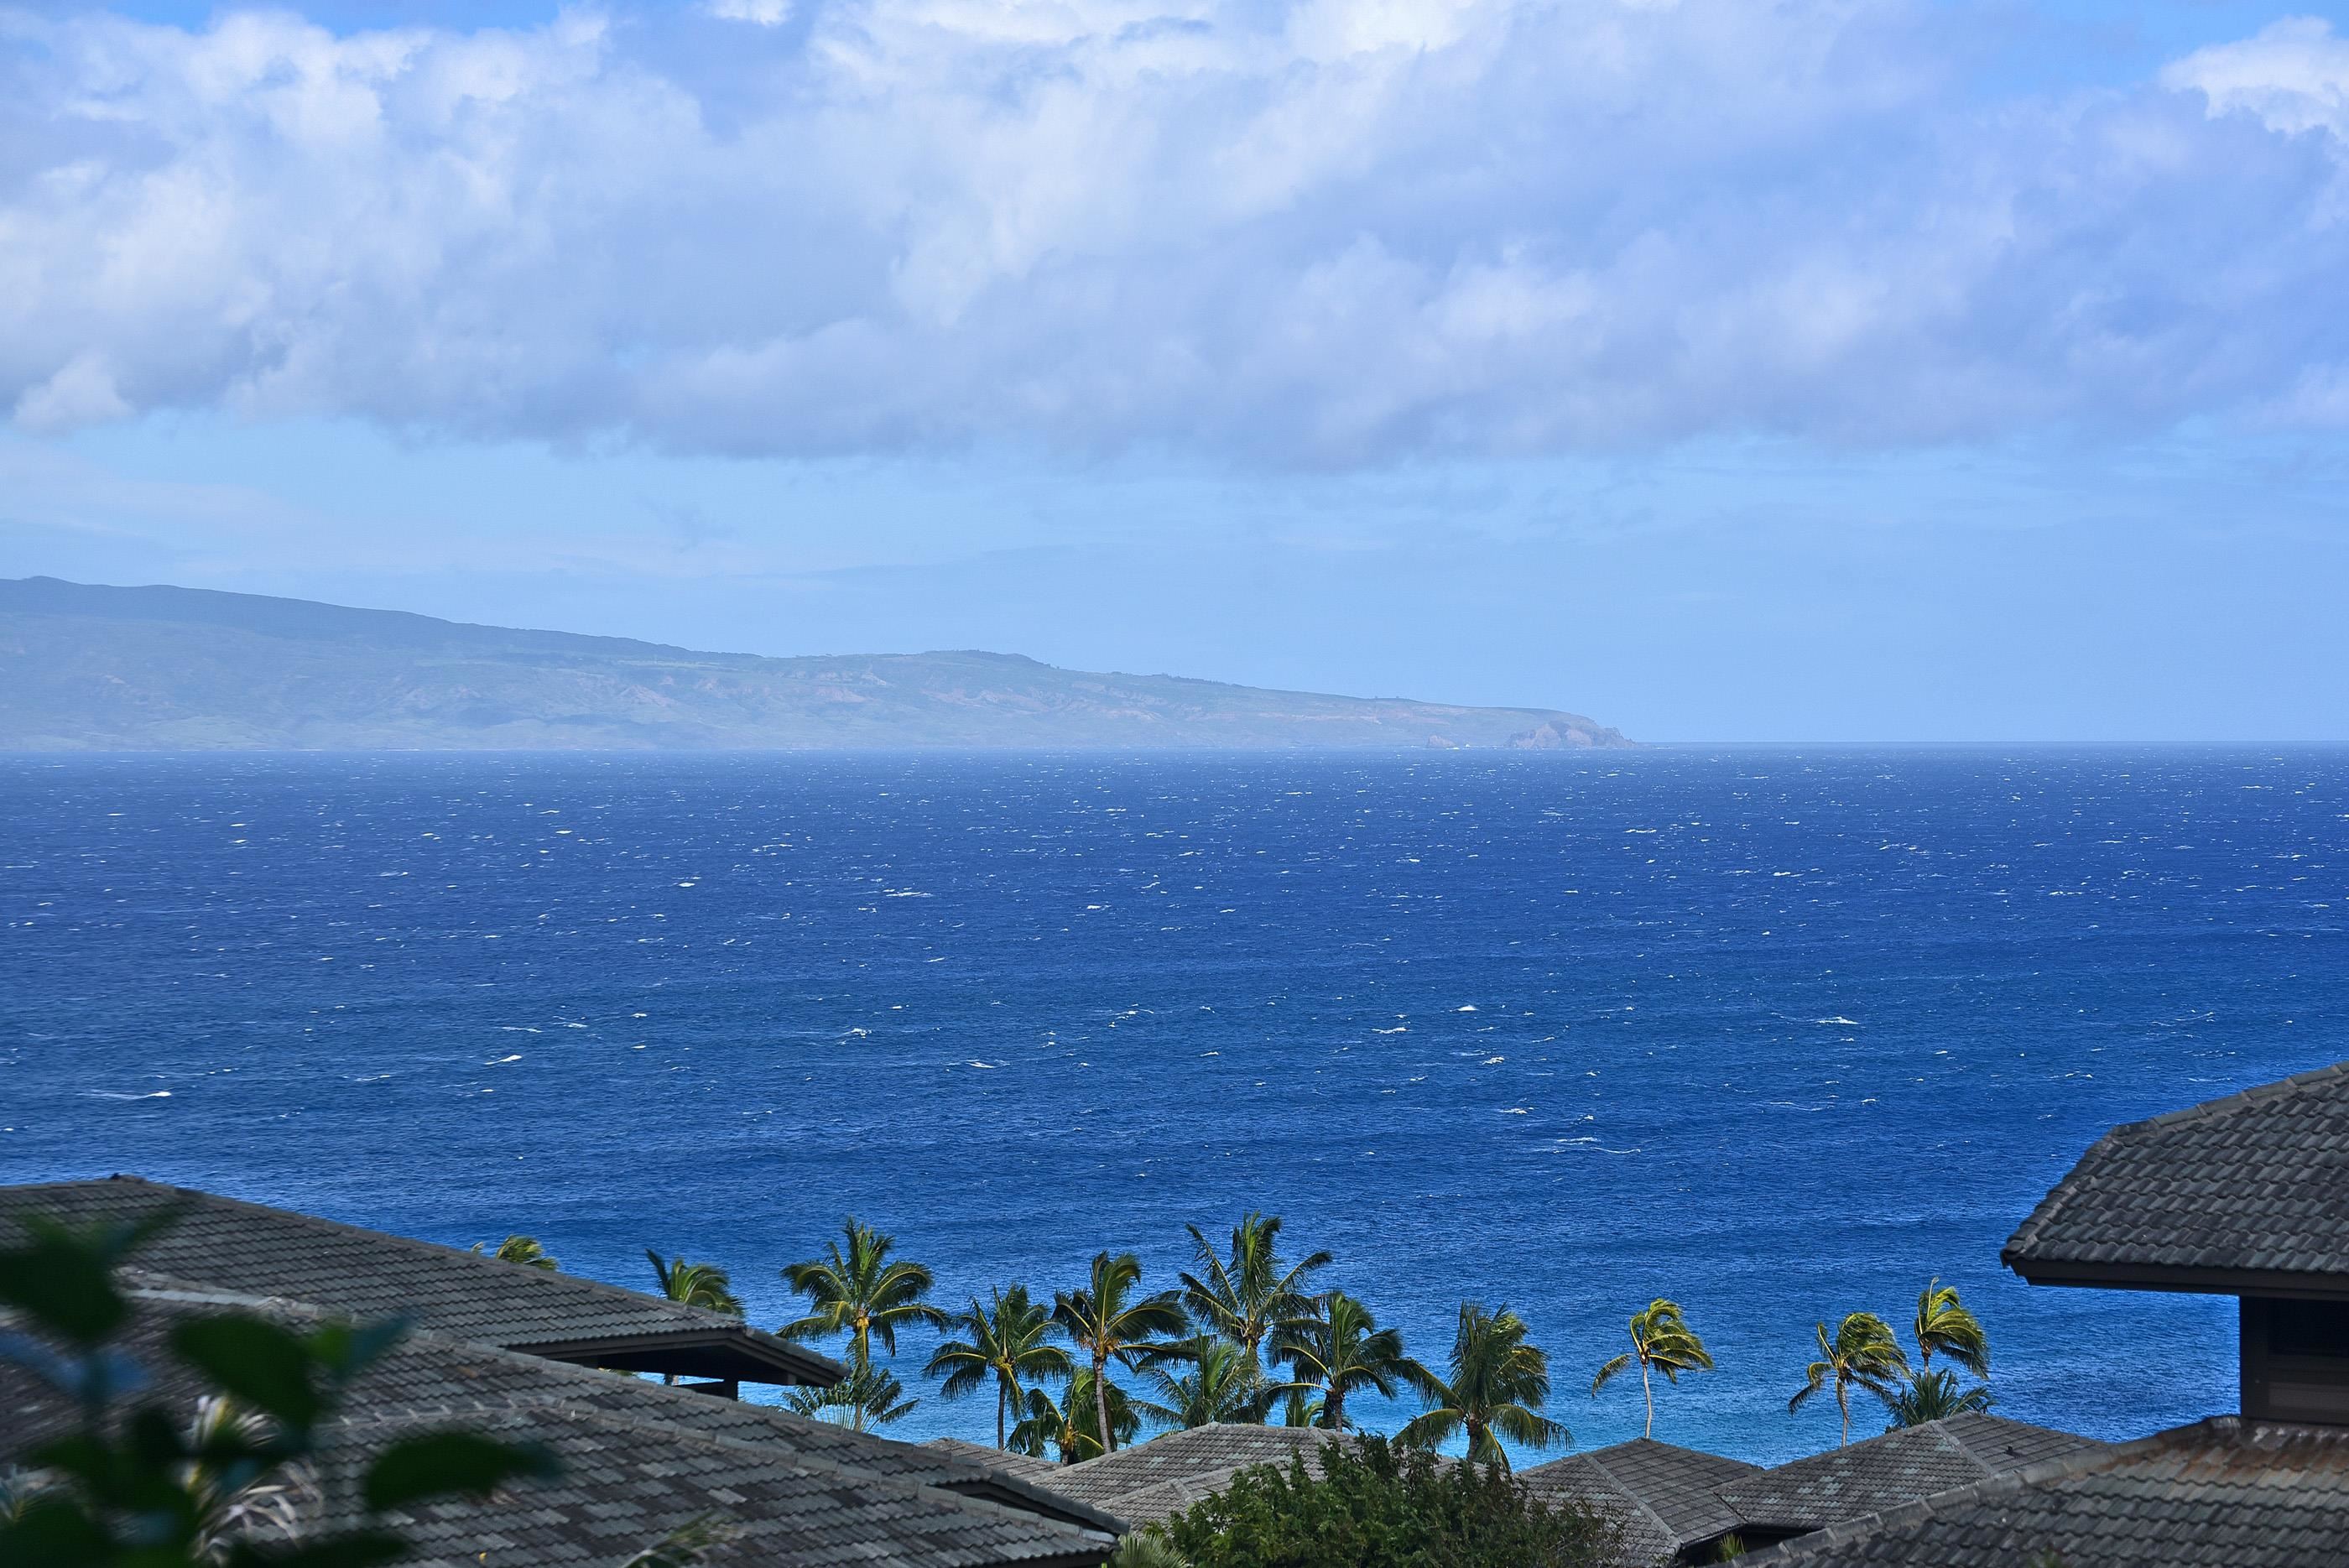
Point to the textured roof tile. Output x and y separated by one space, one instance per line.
2257 1183
258 1251
2222 1493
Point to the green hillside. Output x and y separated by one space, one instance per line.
89 667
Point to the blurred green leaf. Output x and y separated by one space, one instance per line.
63 1281
446 1462
256 1363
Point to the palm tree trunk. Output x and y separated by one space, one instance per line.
1648 1388
1100 1397
1843 1403
1333 1408
999 1415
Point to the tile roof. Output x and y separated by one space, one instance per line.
1023 1466
1167 1474
1665 1497
2222 1493
262 1252
2240 1191
639 1459
1886 1471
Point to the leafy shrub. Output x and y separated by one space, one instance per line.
1379 1505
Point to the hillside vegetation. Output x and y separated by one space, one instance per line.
89 667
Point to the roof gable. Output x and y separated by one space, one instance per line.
1664 1496
2246 1195
1900 1465
257 1251
639 1459
2224 1490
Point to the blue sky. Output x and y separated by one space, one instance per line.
1822 369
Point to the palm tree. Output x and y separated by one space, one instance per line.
695 1284
523 1250
1338 1350
1945 1325
1498 1383
1250 1292
1009 1342
869 1396
1661 1341
1066 1428
861 1294
1109 1322
1933 1396
1222 1385
1863 1352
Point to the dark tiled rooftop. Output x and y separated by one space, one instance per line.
1897 1468
2223 1493
1167 1474
262 1252
2252 1184
1664 1496
1021 1466
639 1459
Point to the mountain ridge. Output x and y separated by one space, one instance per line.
92 666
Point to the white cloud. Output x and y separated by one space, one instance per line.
762 13
1327 231
2294 76
82 392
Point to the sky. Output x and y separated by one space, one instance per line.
1722 370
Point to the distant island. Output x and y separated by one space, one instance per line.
86 668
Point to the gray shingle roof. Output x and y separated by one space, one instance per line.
1167 1474
1664 1496
258 1251
2246 1191
1022 1466
1897 1468
2222 1493
640 1460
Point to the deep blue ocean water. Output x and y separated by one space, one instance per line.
1776 1032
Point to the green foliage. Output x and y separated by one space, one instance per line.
1147 1548
1661 1341
694 1284
1109 1320
1069 1430
1336 1350
132 1487
861 1293
1222 1384
523 1250
1933 1396
1861 1353
1944 1325
1249 1292
868 1399
1499 1381
1383 1505
1009 1342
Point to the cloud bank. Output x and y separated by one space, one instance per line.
1332 232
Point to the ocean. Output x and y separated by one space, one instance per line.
1776 1032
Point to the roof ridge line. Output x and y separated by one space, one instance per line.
815 1464
2241 1099
438 1249
1641 1503
1998 1483
2057 1199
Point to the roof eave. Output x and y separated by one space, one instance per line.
2212 1282
739 1355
